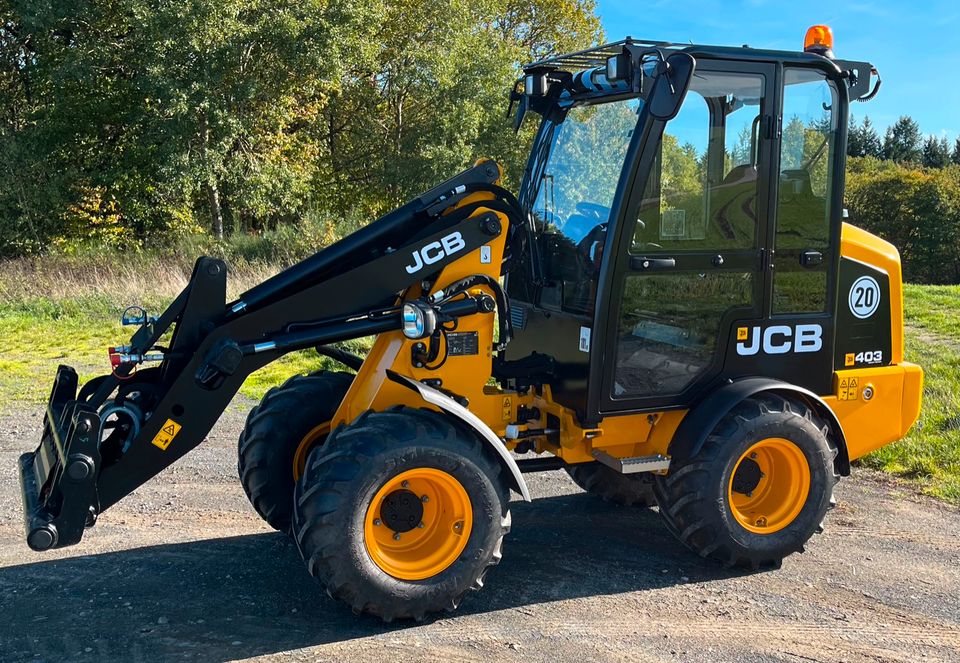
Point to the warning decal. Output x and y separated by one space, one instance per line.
849 389
165 435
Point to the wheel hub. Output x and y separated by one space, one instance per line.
402 510
769 486
747 477
418 523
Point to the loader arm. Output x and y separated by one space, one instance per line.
85 463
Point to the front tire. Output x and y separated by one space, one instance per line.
401 513
279 432
759 488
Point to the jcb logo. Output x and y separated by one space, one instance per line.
435 251
779 339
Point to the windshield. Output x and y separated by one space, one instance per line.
568 192
576 182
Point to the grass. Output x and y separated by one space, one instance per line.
44 323
929 456
39 334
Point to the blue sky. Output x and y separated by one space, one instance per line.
915 46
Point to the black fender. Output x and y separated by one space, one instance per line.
451 407
707 413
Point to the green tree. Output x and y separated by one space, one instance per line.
902 142
936 152
191 111
863 140
135 119
955 157
431 99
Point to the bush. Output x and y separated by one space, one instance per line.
916 209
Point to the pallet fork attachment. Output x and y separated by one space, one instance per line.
58 481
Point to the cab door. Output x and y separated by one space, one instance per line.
690 249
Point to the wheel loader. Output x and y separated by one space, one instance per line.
672 309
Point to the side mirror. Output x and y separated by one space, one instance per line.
522 105
672 79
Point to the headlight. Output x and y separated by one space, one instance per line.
418 321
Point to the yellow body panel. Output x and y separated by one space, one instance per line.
876 406
857 244
623 436
467 376
894 391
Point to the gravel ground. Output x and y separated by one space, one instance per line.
184 570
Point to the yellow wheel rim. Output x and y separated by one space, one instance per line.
769 485
418 524
306 444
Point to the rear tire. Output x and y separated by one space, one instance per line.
275 429
345 528
612 486
759 488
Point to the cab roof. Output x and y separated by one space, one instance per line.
597 56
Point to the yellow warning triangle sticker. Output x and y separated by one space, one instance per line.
170 430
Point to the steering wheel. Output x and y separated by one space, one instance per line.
590 248
600 212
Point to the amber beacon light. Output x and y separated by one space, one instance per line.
819 40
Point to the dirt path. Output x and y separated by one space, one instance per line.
184 570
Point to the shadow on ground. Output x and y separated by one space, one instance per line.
228 598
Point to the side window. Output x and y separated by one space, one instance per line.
702 192
700 199
802 242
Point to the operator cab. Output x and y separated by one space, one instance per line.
681 202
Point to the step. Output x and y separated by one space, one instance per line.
635 464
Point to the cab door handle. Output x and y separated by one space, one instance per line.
811 258
644 263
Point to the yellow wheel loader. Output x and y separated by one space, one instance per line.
672 309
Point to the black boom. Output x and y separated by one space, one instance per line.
346 291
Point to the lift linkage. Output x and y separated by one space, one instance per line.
104 440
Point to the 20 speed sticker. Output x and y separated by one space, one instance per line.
864 298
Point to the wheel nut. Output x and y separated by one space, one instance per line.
763 474
749 493
404 483
458 525
762 521
377 522
396 536
424 499
753 455
421 525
